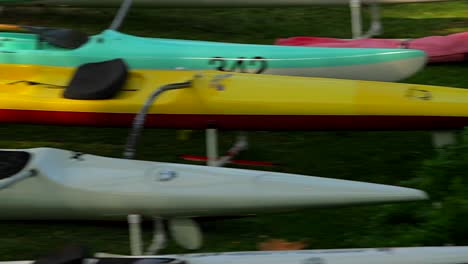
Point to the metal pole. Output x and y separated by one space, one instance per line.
376 24
241 144
121 14
129 152
134 228
12 180
442 139
211 146
356 19
139 121
159 237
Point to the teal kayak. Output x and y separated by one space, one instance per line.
159 53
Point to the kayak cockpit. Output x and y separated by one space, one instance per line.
79 255
159 260
92 81
12 162
101 80
60 37
40 38
13 167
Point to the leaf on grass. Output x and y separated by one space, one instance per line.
281 244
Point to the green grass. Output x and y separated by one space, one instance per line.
381 157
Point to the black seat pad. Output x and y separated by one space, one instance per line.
12 162
138 261
60 37
72 254
101 80
65 38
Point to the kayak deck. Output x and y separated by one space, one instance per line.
158 53
34 94
74 185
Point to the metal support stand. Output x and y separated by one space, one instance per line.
211 135
441 139
139 121
376 27
241 144
159 237
356 20
4 183
212 158
134 228
121 14
136 242
134 221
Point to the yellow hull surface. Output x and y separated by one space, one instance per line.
34 94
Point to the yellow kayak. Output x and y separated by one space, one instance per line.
105 94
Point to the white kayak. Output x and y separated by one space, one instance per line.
199 3
415 255
47 183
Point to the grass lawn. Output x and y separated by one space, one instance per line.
380 157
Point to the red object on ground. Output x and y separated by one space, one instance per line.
451 48
238 162
281 244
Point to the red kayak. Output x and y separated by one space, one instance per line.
451 48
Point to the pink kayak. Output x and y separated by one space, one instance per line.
451 48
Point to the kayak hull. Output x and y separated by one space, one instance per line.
386 71
239 122
34 94
157 53
72 185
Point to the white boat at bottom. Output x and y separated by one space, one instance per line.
414 255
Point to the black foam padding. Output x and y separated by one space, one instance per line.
139 261
97 81
65 38
60 37
12 162
72 254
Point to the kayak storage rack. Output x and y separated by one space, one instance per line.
134 221
140 118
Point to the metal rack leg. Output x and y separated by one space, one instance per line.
211 146
356 18
134 228
376 27
444 138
